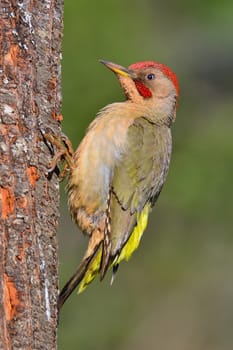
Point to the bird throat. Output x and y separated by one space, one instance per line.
142 89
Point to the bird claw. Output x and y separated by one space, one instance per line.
64 154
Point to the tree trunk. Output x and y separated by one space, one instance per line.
30 104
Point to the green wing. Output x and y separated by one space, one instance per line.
137 182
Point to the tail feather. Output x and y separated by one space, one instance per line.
84 274
92 269
92 265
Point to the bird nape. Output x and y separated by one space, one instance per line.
119 169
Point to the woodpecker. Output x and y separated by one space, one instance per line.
119 168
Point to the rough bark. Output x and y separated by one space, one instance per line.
30 103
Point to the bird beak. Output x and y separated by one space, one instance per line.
116 68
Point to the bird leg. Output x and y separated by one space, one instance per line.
65 153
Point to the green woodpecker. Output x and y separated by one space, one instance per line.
120 167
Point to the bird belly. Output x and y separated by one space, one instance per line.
91 176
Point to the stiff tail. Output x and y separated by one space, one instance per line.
84 275
91 266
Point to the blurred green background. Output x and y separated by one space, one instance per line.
177 290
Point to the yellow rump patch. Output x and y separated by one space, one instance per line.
92 270
134 240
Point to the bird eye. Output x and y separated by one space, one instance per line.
150 76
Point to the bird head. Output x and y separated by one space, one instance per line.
145 80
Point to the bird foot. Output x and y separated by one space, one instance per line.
64 153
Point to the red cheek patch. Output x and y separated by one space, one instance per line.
142 89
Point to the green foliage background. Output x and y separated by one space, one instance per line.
177 290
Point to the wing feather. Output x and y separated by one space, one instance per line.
138 177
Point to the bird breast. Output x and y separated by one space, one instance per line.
94 163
